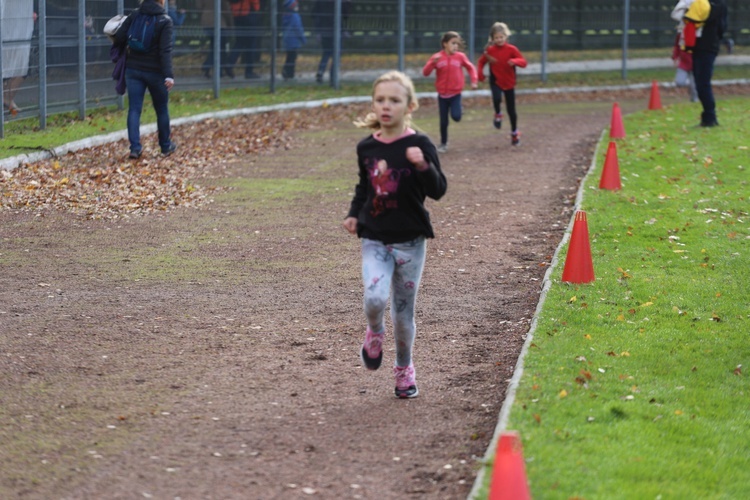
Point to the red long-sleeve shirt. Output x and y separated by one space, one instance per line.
449 75
505 74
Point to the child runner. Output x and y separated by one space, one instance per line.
449 81
683 61
398 169
503 59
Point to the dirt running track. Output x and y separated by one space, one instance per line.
212 353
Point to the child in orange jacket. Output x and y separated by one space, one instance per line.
503 59
448 65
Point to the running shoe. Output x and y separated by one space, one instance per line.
498 120
515 138
372 349
406 385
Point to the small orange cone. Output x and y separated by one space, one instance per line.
578 265
611 171
616 128
654 101
509 472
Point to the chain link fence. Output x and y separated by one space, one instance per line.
70 68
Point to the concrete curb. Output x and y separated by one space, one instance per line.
98 140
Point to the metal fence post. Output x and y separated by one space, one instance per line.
625 29
81 60
545 38
401 33
120 98
336 62
472 28
275 43
43 64
2 94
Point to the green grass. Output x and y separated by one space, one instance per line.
631 386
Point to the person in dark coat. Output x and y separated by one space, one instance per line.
704 55
294 36
152 71
323 13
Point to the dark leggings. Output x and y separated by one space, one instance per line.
446 105
510 102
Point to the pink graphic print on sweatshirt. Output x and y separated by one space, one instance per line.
385 181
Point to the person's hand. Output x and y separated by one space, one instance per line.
416 156
490 59
350 224
511 63
474 86
169 83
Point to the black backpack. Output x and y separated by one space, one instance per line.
141 32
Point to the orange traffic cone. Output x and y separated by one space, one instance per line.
578 265
611 171
616 128
654 101
509 473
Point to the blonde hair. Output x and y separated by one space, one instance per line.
371 120
450 35
499 28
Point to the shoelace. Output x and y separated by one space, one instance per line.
374 344
404 376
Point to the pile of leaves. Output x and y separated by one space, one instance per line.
103 183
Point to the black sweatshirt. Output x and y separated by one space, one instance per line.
159 57
389 198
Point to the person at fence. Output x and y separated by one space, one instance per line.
17 30
323 14
294 36
247 29
206 8
178 18
398 169
148 66
503 59
705 50
449 65
683 61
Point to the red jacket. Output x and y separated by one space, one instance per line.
505 74
683 58
241 8
449 80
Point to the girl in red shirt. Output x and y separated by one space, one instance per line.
503 59
449 81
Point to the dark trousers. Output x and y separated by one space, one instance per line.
448 105
291 59
138 82
510 102
208 63
247 42
703 70
326 47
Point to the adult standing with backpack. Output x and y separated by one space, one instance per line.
705 50
147 33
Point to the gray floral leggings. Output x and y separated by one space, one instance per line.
394 270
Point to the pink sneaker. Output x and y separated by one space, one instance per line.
406 385
372 349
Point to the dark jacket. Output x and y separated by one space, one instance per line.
159 57
713 30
